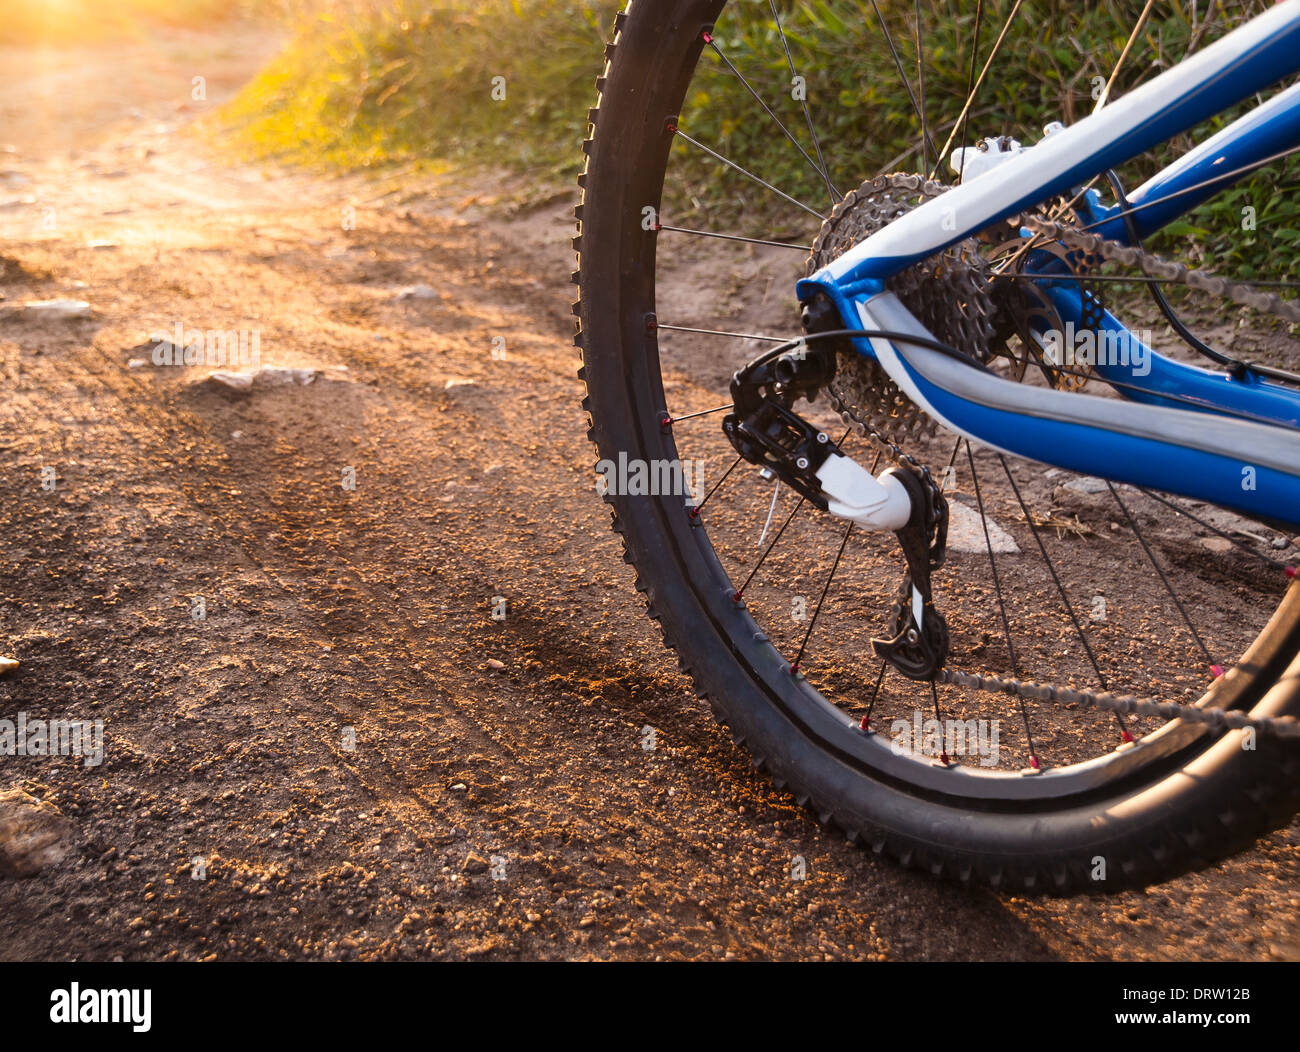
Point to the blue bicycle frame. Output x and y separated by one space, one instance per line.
1233 441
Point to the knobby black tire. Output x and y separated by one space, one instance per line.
1208 801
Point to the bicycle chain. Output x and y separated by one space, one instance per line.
874 400
1155 267
1280 726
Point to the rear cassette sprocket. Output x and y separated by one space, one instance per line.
947 293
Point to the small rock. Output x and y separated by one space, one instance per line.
138 363
417 292
494 663
33 834
235 381
7 664
587 921
58 310
1216 544
268 376
966 532
278 374
1280 542
100 244
456 382
1086 484
475 863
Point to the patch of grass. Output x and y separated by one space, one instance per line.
1055 55
369 82
496 82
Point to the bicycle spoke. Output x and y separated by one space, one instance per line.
898 158
898 64
775 540
740 592
920 87
670 420
794 667
938 718
970 97
1289 570
865 725
695 511
1002 608
721 332
970 86
708 39
743 171
733 237
1105 92
1060 588
1215 668
803 102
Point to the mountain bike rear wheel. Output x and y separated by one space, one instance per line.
1177 796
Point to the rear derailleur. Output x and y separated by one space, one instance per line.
766 431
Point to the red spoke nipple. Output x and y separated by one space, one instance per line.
1033 762
865 725
1216 670
1127 738
1290 571
705 37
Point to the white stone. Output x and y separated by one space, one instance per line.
966 532
60 310
235 381
280 374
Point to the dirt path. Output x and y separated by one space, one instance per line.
347 747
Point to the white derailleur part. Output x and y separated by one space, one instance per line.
852 493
